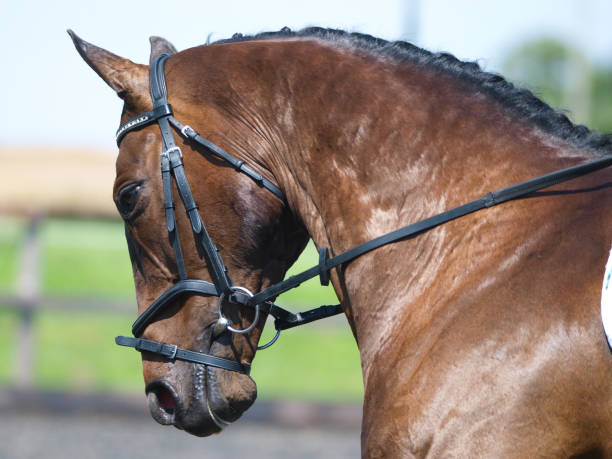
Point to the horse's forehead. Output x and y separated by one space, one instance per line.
137 158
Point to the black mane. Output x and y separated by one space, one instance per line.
522 101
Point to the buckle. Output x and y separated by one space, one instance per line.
174 349
170 150
188 131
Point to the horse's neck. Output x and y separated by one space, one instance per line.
373 146
369 148
356 169
403 287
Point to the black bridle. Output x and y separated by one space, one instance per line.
222 286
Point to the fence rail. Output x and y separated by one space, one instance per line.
28 298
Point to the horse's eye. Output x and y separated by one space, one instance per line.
127 198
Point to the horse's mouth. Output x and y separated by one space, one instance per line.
167 409
207 408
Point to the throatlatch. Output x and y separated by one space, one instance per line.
172 168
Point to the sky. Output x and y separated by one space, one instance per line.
51 98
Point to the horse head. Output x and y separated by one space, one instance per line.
253 229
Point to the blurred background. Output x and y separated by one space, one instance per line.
66 286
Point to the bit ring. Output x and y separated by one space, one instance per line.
222 317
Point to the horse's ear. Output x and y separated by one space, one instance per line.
160 46
128 79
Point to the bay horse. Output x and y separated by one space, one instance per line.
479 338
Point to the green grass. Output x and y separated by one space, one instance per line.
84 258
75 350
11 234
315 362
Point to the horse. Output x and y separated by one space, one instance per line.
481 337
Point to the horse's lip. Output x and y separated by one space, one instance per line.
226 410
198 419
222 413
156 390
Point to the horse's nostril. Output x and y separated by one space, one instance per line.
166 401
162 402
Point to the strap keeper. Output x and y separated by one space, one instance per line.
170 221
489 200
161 110
258 178
323 270
148 346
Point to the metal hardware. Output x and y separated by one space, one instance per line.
220 306
220 327
271 342
174 348
170 150
185 130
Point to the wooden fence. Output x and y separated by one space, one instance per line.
28 298
42 183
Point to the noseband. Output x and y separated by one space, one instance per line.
222 286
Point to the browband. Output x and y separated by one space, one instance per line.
142 120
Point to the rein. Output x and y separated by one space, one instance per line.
222 286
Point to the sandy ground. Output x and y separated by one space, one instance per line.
47 424
104 436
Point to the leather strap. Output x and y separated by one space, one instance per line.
198 287
173 352
172 158
217 268
170 217
237 164
285 319
142 120
491 199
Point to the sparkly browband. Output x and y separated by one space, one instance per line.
142 120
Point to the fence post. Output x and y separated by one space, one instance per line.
28 295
